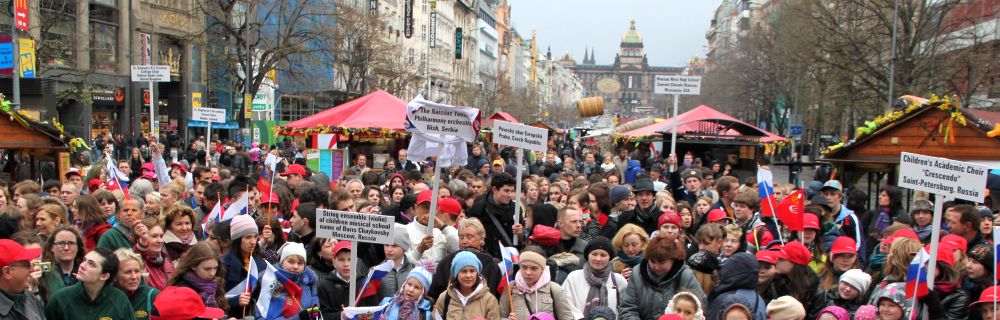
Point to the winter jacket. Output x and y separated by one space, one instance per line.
833 298
549 298
393 281
483 209
73 303
423 310
577 288
174 246
442 275
941 305
116 238
739 277
335 293
306 281
727 302
158 266
30 310
645 218
236 272
142 301
54 280
647 297
480 304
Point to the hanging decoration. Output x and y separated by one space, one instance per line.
354 132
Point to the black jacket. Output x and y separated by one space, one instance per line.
335 293
483 209
644 218
814 300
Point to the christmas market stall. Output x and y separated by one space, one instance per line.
371 125
707 134
32 149
937 127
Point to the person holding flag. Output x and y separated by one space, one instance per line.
467 296
533 291
292 268
237 263
334 290
947 300
410 301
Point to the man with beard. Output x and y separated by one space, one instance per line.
646 212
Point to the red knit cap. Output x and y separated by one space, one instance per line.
671 218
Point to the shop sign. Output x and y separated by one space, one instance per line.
105 95
26 63
196 99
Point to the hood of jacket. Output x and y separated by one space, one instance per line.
719 307
739 272
700 310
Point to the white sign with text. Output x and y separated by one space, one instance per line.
682 85
352 226
942 176
438 119
150 73
215 115
520 136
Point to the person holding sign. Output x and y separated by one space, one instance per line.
425 246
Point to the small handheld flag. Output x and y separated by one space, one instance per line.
916 275
766 189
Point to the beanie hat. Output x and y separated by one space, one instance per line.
669 217
401 238
601 312
241 225
984 211
857 279
465 259
529 256
785 308
292 249
982 255
599 243
421 274
895 292
797 253
836 312
619 193
866 312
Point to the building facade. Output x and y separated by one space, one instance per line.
626 84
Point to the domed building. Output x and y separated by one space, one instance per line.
626 84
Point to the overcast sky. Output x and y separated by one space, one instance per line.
672 31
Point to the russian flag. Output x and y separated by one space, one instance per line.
117 180
358 313
791 210
267 173
374 279
279 296
211 216
996 252
916 275
766 190
506 267
247 284
238 207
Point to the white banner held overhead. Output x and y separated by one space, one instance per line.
150 73
351 226
206 114
682 85
962 180
520 136
429 117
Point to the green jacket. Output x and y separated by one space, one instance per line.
142 301
73 303
54 281
116 238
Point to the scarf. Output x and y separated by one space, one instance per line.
407 309
883 220
206 288
630 261
607 167
598 294
522 287
877 260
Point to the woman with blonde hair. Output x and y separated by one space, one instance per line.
47 218
129 279
630 242
897 262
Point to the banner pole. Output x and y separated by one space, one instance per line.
517 192
354 280
434 198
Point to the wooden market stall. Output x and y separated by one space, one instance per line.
32 149
936 127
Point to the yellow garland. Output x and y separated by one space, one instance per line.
946 104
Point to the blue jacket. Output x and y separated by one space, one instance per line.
423 309
236 274
307 281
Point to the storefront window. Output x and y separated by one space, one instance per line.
57 20
103 35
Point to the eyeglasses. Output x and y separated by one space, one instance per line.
66 244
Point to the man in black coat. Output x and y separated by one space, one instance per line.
472 238
495 210
646 212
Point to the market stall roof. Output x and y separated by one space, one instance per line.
935 127
502 116
18 131
378 110
705 120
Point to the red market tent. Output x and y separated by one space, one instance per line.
377 112
502 116
705 121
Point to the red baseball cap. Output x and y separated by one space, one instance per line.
769 256
669 217
179 165
73 171
449 206
425 196
670 316
269 198
94 184
717 215
901 233
148 166
955 241
341 245
545 235
810 221
11 251
295 169
989 296
945 253
183 303
759 237
844 245
797 253
150 175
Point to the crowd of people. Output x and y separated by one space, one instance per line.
600 235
